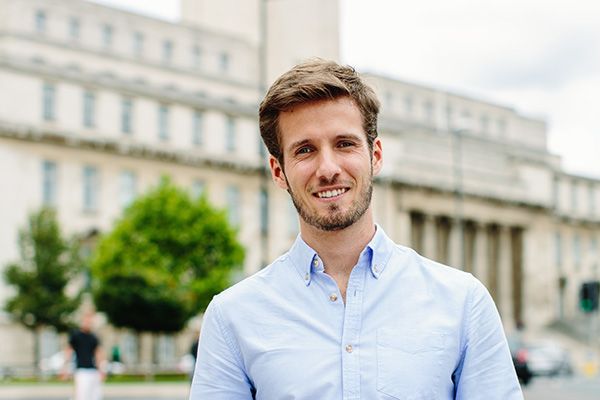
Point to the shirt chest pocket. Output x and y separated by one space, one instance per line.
409 363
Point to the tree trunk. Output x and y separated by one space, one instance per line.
36 352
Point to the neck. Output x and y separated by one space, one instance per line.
339 250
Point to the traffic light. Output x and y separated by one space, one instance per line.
588 296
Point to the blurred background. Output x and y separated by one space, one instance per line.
111 109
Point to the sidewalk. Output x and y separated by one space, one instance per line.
178 390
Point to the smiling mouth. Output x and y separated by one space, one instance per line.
327 194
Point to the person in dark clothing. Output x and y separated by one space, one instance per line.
88 376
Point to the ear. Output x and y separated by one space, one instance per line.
377 156
277 173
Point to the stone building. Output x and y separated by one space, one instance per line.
96 104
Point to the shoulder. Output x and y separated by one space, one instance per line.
253 290
439 280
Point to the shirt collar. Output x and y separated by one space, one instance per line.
306 261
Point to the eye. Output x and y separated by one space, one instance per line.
345 143
304 150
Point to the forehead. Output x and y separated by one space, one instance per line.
320 119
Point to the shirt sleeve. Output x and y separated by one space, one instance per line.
219 373
486 369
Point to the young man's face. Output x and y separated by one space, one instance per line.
328 167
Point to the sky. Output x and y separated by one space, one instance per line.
540 57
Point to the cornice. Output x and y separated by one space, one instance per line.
40 68
111 55
129 149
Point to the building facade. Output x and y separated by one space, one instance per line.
96 104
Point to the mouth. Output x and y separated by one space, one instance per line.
330 193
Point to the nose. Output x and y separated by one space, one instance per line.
328 169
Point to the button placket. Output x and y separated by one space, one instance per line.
351 332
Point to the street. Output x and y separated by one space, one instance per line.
563 388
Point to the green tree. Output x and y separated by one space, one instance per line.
48 263
163 261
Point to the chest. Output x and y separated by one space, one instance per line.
376 345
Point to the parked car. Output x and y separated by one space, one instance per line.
548 358
519 354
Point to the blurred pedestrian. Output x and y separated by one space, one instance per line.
89 360
346 312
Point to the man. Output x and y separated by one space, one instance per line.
88 357
346 313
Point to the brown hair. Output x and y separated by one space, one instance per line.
313 80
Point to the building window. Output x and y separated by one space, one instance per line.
163 122
408 104
574 199
501 127
230 134
577 251
388 100
233 205
166 349
198 188
74 28
91 188
592 199
127 187
428 111
558 250
556 193
49 183
197 127
196 57
126 116
264 211
465 120
138 44
224 62
89 106
167 53
262 149
130 346
292 217
484 122
449 117
40 21
48 102
107 35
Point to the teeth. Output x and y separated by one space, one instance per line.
330 193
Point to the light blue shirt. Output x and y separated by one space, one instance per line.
410 329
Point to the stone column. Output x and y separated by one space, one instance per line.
469 233
492 256
403 228
417 222
504 302
516 236
480 264
429 237
456 237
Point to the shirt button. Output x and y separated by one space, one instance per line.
333 297
348 348
316 262
375 268
306 277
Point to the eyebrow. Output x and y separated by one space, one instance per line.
303 142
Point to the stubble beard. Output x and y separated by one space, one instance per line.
335 220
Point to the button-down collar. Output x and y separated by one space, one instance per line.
307 261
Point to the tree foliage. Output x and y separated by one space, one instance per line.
48 263
163 261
